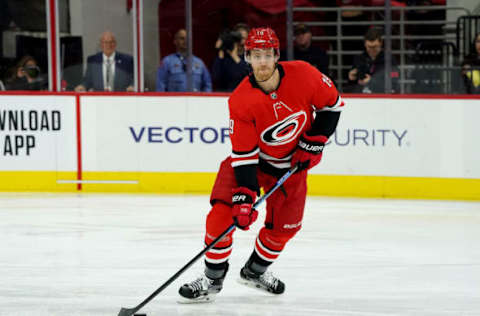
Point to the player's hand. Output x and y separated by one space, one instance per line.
243 212
309 151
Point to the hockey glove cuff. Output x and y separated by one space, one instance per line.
242 212
309 151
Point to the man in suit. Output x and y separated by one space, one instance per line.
108 70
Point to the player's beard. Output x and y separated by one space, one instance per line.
263 73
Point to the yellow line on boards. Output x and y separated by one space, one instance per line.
36 181
201 183
395 187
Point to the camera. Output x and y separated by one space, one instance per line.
363 71
32 71
229 38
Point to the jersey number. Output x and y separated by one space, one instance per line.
327 80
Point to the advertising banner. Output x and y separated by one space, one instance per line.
152 134
405 137
375 137
38 133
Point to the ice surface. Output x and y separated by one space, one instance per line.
90 254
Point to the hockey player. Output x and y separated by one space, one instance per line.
280 115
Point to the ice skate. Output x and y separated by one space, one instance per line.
265 282
201 290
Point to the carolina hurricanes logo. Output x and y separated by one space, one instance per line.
285 131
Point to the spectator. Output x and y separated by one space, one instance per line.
26 75
303 49
471 68
172 73
243 29
108 70
368 72
229 67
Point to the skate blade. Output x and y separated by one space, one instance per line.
199 300
254 285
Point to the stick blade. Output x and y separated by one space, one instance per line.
126 312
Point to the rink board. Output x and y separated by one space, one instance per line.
383 147
38 142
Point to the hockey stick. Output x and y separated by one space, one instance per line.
131 311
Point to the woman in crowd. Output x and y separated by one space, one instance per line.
26 76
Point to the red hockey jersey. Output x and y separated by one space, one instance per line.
268 126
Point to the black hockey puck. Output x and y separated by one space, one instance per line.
139 314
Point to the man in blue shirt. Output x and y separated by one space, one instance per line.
172 73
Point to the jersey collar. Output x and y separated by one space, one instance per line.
254 83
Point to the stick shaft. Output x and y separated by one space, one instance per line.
129 312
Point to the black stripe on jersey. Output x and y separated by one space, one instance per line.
218 248
244 153
246 176
334 106
270 169
335 103
264 156
325 123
